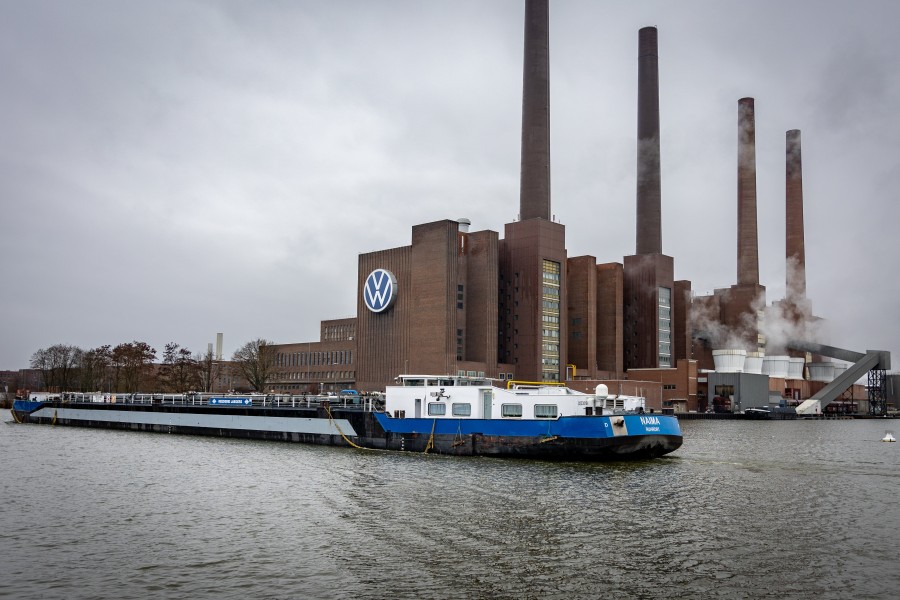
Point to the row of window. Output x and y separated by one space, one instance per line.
298 376
464 409
339 332
664 327
312 359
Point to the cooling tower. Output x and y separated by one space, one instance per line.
776 366
795 368
821 371
754 362
729 361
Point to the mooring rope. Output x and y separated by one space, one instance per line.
430 444
338 427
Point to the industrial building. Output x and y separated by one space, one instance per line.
517 307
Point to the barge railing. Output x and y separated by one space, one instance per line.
366 403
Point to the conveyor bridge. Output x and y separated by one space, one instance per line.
873 362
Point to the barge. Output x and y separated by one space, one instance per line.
453 415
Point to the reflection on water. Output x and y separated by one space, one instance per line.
743 509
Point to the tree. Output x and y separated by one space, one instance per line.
208 369
179 371
94 367
57 364
255 360
131 365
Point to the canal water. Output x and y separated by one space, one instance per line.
802 509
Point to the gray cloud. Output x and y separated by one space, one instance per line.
170 170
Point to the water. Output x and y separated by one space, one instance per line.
742 510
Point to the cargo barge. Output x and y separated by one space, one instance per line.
423 413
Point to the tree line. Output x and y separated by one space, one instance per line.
132 367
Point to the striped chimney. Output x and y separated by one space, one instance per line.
649 197
796 251
534 198
747 240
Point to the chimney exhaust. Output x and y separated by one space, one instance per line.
747 240
649 196
534 190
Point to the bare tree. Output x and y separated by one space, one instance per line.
57 365
179 371
208 369
93 368
255 360
132 363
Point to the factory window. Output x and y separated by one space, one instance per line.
462 409
437 409
511 410
550 317
664 329
545 411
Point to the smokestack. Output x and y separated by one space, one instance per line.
218 346
649 196
747 241
534 199
796 252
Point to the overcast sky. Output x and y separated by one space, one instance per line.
169 170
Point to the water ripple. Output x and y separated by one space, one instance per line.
743 510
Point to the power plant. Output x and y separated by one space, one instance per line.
518 307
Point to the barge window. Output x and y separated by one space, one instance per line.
437 409
511 410
462 409
545 411
413 382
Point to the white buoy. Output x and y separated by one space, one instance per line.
888 437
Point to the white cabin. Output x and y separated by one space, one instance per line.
459 397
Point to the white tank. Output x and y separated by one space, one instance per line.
754 362
795 368
821 371
839 369
776 366
729 361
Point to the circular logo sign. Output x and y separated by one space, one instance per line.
380 290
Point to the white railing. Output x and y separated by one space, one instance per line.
234 400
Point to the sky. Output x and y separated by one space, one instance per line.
170 170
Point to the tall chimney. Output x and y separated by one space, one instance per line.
649 197
796 252
747 241
534 199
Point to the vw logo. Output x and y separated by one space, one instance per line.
380 290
